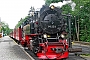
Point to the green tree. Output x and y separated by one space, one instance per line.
48 2
85 22
32 9
21 21
5 28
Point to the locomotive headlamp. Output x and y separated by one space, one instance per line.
52 7
45 36
48 36
62 35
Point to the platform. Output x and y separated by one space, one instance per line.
9 50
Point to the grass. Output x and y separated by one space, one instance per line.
85 55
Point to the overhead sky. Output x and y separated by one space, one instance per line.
11 11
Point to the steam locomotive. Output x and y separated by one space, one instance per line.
45 33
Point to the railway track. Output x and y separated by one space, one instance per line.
85 49
27 51
72 56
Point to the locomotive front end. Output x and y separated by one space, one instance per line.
53 43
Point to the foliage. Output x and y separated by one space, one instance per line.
48 2
5 28
21 21
85 22
32 9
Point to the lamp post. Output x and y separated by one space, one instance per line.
69 29
69 24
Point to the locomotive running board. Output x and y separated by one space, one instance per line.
71 50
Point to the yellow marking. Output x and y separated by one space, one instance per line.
27 54
14 41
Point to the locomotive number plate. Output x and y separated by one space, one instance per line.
51 26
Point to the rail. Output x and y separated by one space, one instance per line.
80 42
